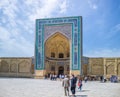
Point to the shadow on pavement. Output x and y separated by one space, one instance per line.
79 96
82 90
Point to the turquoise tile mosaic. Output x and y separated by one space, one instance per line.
71 27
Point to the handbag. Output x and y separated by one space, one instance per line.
78 83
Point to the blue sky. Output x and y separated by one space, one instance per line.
101 25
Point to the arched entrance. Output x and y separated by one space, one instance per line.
57 52
61 70
57 46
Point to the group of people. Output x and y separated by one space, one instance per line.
114 79
53 76
71 83
68 82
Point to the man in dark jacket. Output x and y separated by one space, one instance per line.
73 85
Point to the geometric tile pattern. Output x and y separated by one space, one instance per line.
73 32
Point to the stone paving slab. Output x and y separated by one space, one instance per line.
23 87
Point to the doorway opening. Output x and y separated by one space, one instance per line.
57 51
61 70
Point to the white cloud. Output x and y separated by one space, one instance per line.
46 8
14 46
5 35
92 4
9 9
113 31
17 25
104 53
63 7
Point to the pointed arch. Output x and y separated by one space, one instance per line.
56 43
56 34
4 66
24 66
110 69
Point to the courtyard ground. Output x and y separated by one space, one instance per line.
23 87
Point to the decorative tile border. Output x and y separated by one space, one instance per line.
76 40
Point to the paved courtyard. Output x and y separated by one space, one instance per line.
22 87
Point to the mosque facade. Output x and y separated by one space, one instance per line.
58 50
58 46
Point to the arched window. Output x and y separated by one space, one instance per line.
61 55
52 55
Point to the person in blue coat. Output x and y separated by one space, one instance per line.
73 85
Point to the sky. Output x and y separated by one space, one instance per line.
101 25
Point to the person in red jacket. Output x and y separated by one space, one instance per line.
80 83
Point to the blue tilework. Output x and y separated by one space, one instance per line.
76 42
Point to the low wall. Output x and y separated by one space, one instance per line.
16 67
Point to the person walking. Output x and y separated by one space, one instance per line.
66 85
73 85
60 77
80 84
85 79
